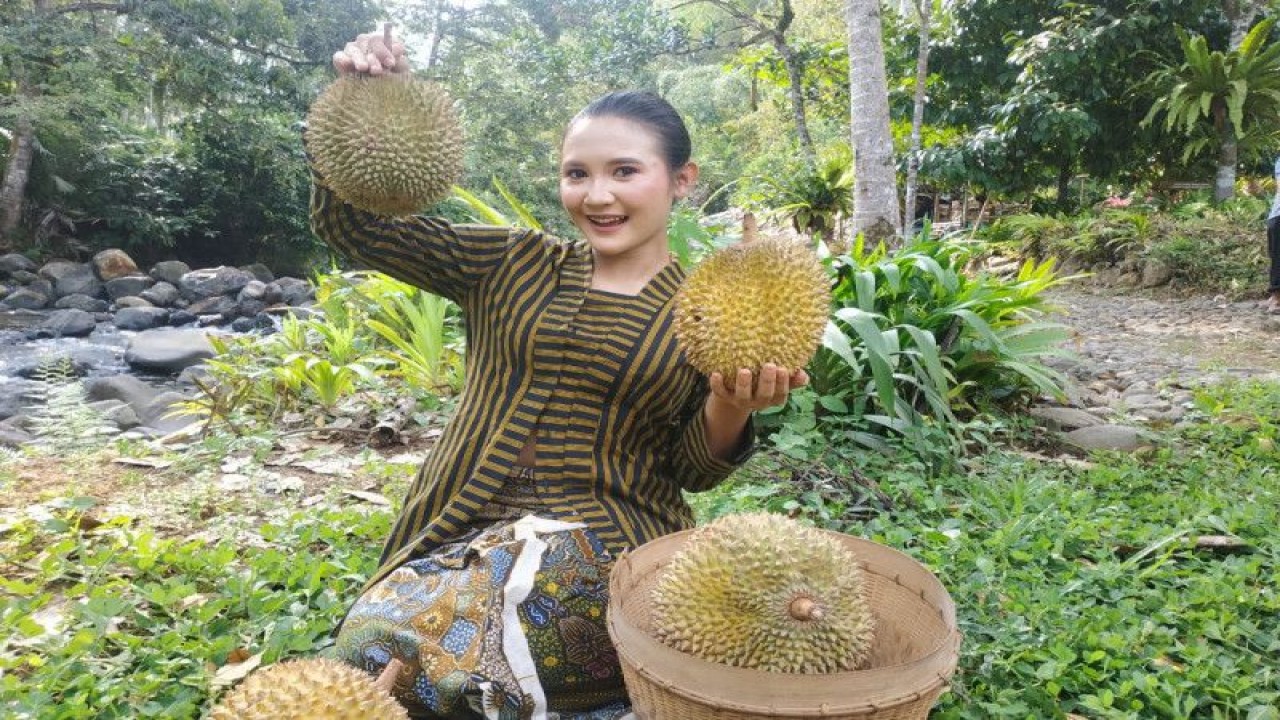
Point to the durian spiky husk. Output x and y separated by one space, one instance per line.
389 145
753 303
310 689
762 591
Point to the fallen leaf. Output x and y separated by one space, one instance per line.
195 600
375 498
143 462
232 673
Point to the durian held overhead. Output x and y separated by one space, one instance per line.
390 144
309 689
764 300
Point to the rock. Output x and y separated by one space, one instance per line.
259 271
244 324
72 279
1271 324
250 308
66 323
1105 437
14 438
112 264
1140 401
189 375
25 298
16 262
1156 273
213 282
181 317
167 351
26 277
129 285
162 294
1064 418
38 367
123 388
141 318
81 302
210 320
294 291
255 290
1129 279
123 417
157 415
132 302
218 305
170 271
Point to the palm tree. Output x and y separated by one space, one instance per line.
875 194
1237 92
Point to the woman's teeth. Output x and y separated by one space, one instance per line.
608 221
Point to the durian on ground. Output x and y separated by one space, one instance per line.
763 591
310 689
761 301
389 145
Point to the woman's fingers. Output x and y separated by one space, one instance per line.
369 54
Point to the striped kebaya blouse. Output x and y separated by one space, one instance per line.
598 376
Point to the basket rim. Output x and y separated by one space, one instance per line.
878 687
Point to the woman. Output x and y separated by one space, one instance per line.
1272 303
579 426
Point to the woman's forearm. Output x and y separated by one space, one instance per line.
725 425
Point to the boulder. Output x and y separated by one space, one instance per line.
66 323
15 262
254 290
119 413
157 413
259 271
55 270
1106 437
78 279
219 305
250 308
81 302
212 282
162 294
132 302
181 317
167 351
128 285
38 368
141 318
123 388
26 277
1064 418
113 264
12 437
1156 273
294 291
25 298
170 271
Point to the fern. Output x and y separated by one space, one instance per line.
63 422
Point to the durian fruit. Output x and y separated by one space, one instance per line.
389 145
760 301
762 591
309 689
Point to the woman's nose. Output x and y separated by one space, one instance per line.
598 193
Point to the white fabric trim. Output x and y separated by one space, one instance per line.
515 645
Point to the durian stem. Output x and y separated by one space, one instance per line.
803 608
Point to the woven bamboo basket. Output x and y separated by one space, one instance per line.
914 653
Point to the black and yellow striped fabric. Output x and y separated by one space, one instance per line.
596 375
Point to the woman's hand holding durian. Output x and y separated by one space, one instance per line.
370 54
730 404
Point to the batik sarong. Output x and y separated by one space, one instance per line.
505 623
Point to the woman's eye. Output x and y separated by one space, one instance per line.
625 171
575 174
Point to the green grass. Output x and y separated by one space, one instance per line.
1079 590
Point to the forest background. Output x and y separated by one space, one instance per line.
170 128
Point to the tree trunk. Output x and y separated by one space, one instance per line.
1224 182
875 191
21 153
1240 15
1064 185
795 77
925 7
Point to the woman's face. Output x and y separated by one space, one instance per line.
617 188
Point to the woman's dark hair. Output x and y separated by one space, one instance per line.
649 110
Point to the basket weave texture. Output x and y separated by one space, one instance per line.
913 655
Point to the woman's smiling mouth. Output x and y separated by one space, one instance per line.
606 221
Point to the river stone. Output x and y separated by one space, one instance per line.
162 294
11 263
1156 273
167 351
128 285
244 324
124 388
12 437
118 413
141 318
66 323
80 282
157 413
132 302
81 302
181 317
212 282
55 270
1105 437
250 308
170 271
1142 400
26 298
259 271
26 277
39 367
219 305
294 291
1064 418
255 290
113 263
